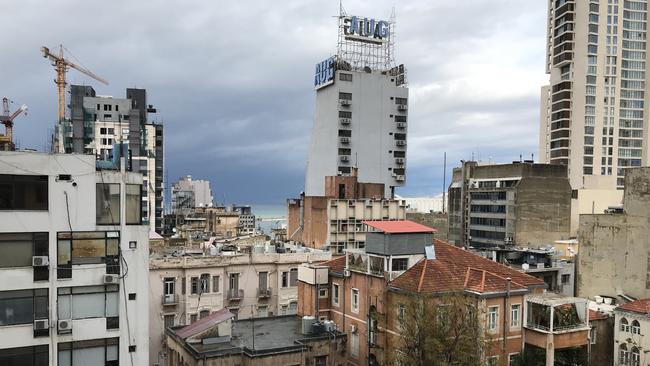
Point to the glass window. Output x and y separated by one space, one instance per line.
88 302
23 192
345 77
87 247
515 315
215 284
18 248
133 204
108 204
493 317
93 352
355 300
25 356
335 294
293 277
399 264
23 306
205 283
194 285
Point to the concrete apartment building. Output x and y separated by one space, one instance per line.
364 293
188 193
614 257
97 123
520 204
335 220
259 283
632 324
74 262
593 110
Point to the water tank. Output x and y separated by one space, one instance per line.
525 266
307 322
329 325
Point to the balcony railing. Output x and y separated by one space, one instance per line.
264 292
235 294
170 299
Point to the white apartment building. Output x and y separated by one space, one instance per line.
258 284
594 112
73 265
189 193
632 324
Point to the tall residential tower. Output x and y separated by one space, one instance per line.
594 112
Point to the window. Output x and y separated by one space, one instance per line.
18 248
133 204
23 306
25 356
401 312
636 327
263 281
513 359
86 302
205 283
293 308
345 77
593 335
293 277
204 314
624 326
345 114
635 357
285 279
215 284
87 247
322 293
354 345
234 282
515 310
623 355
400 101
493 318
23 192
93 352
399 264
169 290
335 294
355 300
493 361
193 318
345 96
194 285
169 320
108 204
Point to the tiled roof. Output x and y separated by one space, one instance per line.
455 269
639 306
336 265
399 227
204 324
597 315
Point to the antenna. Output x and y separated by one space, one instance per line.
444 180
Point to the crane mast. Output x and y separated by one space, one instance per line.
7 119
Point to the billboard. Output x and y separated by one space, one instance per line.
324 74
366 30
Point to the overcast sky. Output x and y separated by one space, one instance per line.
233 81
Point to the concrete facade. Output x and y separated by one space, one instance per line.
265 285
630 343
614 255
188 193
522 204
100 334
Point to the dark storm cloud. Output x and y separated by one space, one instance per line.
232 81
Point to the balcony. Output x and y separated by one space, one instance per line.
358 260
552 313
264 292
169 299
235 294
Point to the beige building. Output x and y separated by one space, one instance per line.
594 112
614 252
260 283
632 324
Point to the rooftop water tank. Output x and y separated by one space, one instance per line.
307 322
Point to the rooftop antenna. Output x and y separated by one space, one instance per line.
341 9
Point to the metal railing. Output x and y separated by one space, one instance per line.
235 294
170 299
264 292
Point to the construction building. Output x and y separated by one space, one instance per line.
520 204
98 123
74 271
188 193
365 293
594 110
335 220
613 260
257 281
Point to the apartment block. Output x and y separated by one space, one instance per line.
594 110
188 193
74 286
260 283
632 323
520 204
98 123
365 293
335 221
613 260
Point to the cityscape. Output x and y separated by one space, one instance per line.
418 184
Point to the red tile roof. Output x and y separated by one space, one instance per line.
597 315
399 227
639 306
204 324
336 265
455 269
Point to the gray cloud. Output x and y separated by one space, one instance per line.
233 80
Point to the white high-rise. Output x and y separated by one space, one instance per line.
594 112
361 110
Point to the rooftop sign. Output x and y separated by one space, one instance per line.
366 30
324 74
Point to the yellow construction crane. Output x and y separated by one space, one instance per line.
61 66
7 119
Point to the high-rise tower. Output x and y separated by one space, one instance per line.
594 112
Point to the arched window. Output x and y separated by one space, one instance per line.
623 355
624 327
635 359
636 327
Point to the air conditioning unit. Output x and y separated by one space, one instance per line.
345 140
399 161
40 261
65 326
346 273
41 324
399 178
111 279
401 124
353 329
345 158
402 107
344 102
400 142
344 121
